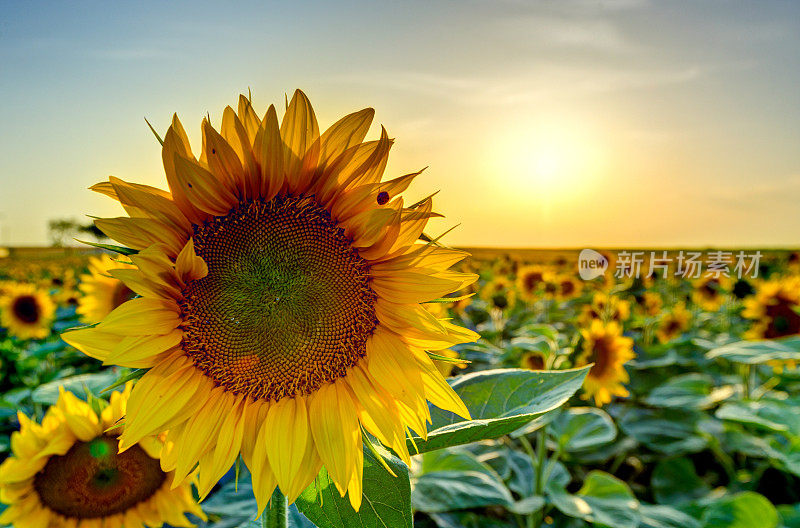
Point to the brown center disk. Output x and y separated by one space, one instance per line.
26 309
92 480
783 320
286 305
602 356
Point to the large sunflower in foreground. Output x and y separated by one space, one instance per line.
26 311
604 345
102 292
66 473
281 283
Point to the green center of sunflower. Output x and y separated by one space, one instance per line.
286 305
26 309
92 480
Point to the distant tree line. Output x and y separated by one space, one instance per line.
63 230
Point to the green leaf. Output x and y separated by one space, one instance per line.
604 500
500 401
743 510
790 515
459 490
690 391
47 393
580 428
774 415
133 375
454 479
665 517
675 481
668 431
386 502
758 352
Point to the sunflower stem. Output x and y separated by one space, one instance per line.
277 513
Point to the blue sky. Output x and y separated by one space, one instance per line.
570 123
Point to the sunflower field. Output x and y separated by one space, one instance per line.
278 340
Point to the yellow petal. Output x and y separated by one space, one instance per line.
189 265
142 316
268 150
287 425
202 188
337 435
299 130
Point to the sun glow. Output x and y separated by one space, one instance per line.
550 164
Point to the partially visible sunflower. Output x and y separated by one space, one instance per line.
533 361
673 323
604 345
563 287
499 293
531 281
649 303
710 292
281 283
66 472
26 311
102 292
605 307
774 309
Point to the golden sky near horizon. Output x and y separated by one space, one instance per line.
572 124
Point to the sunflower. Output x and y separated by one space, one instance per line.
673 323
102 292
606 308
563 287
533 361
650 303
280 282
499 293
710 292
774 309
604 345
531 281
66 472
26 311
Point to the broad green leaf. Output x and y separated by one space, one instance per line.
743 510
603 500
500 401
386 502
668 431
443 491
665 517
466 520
690 391
454 479
757 352
774 415
790 514
675 481
48 393
581 428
